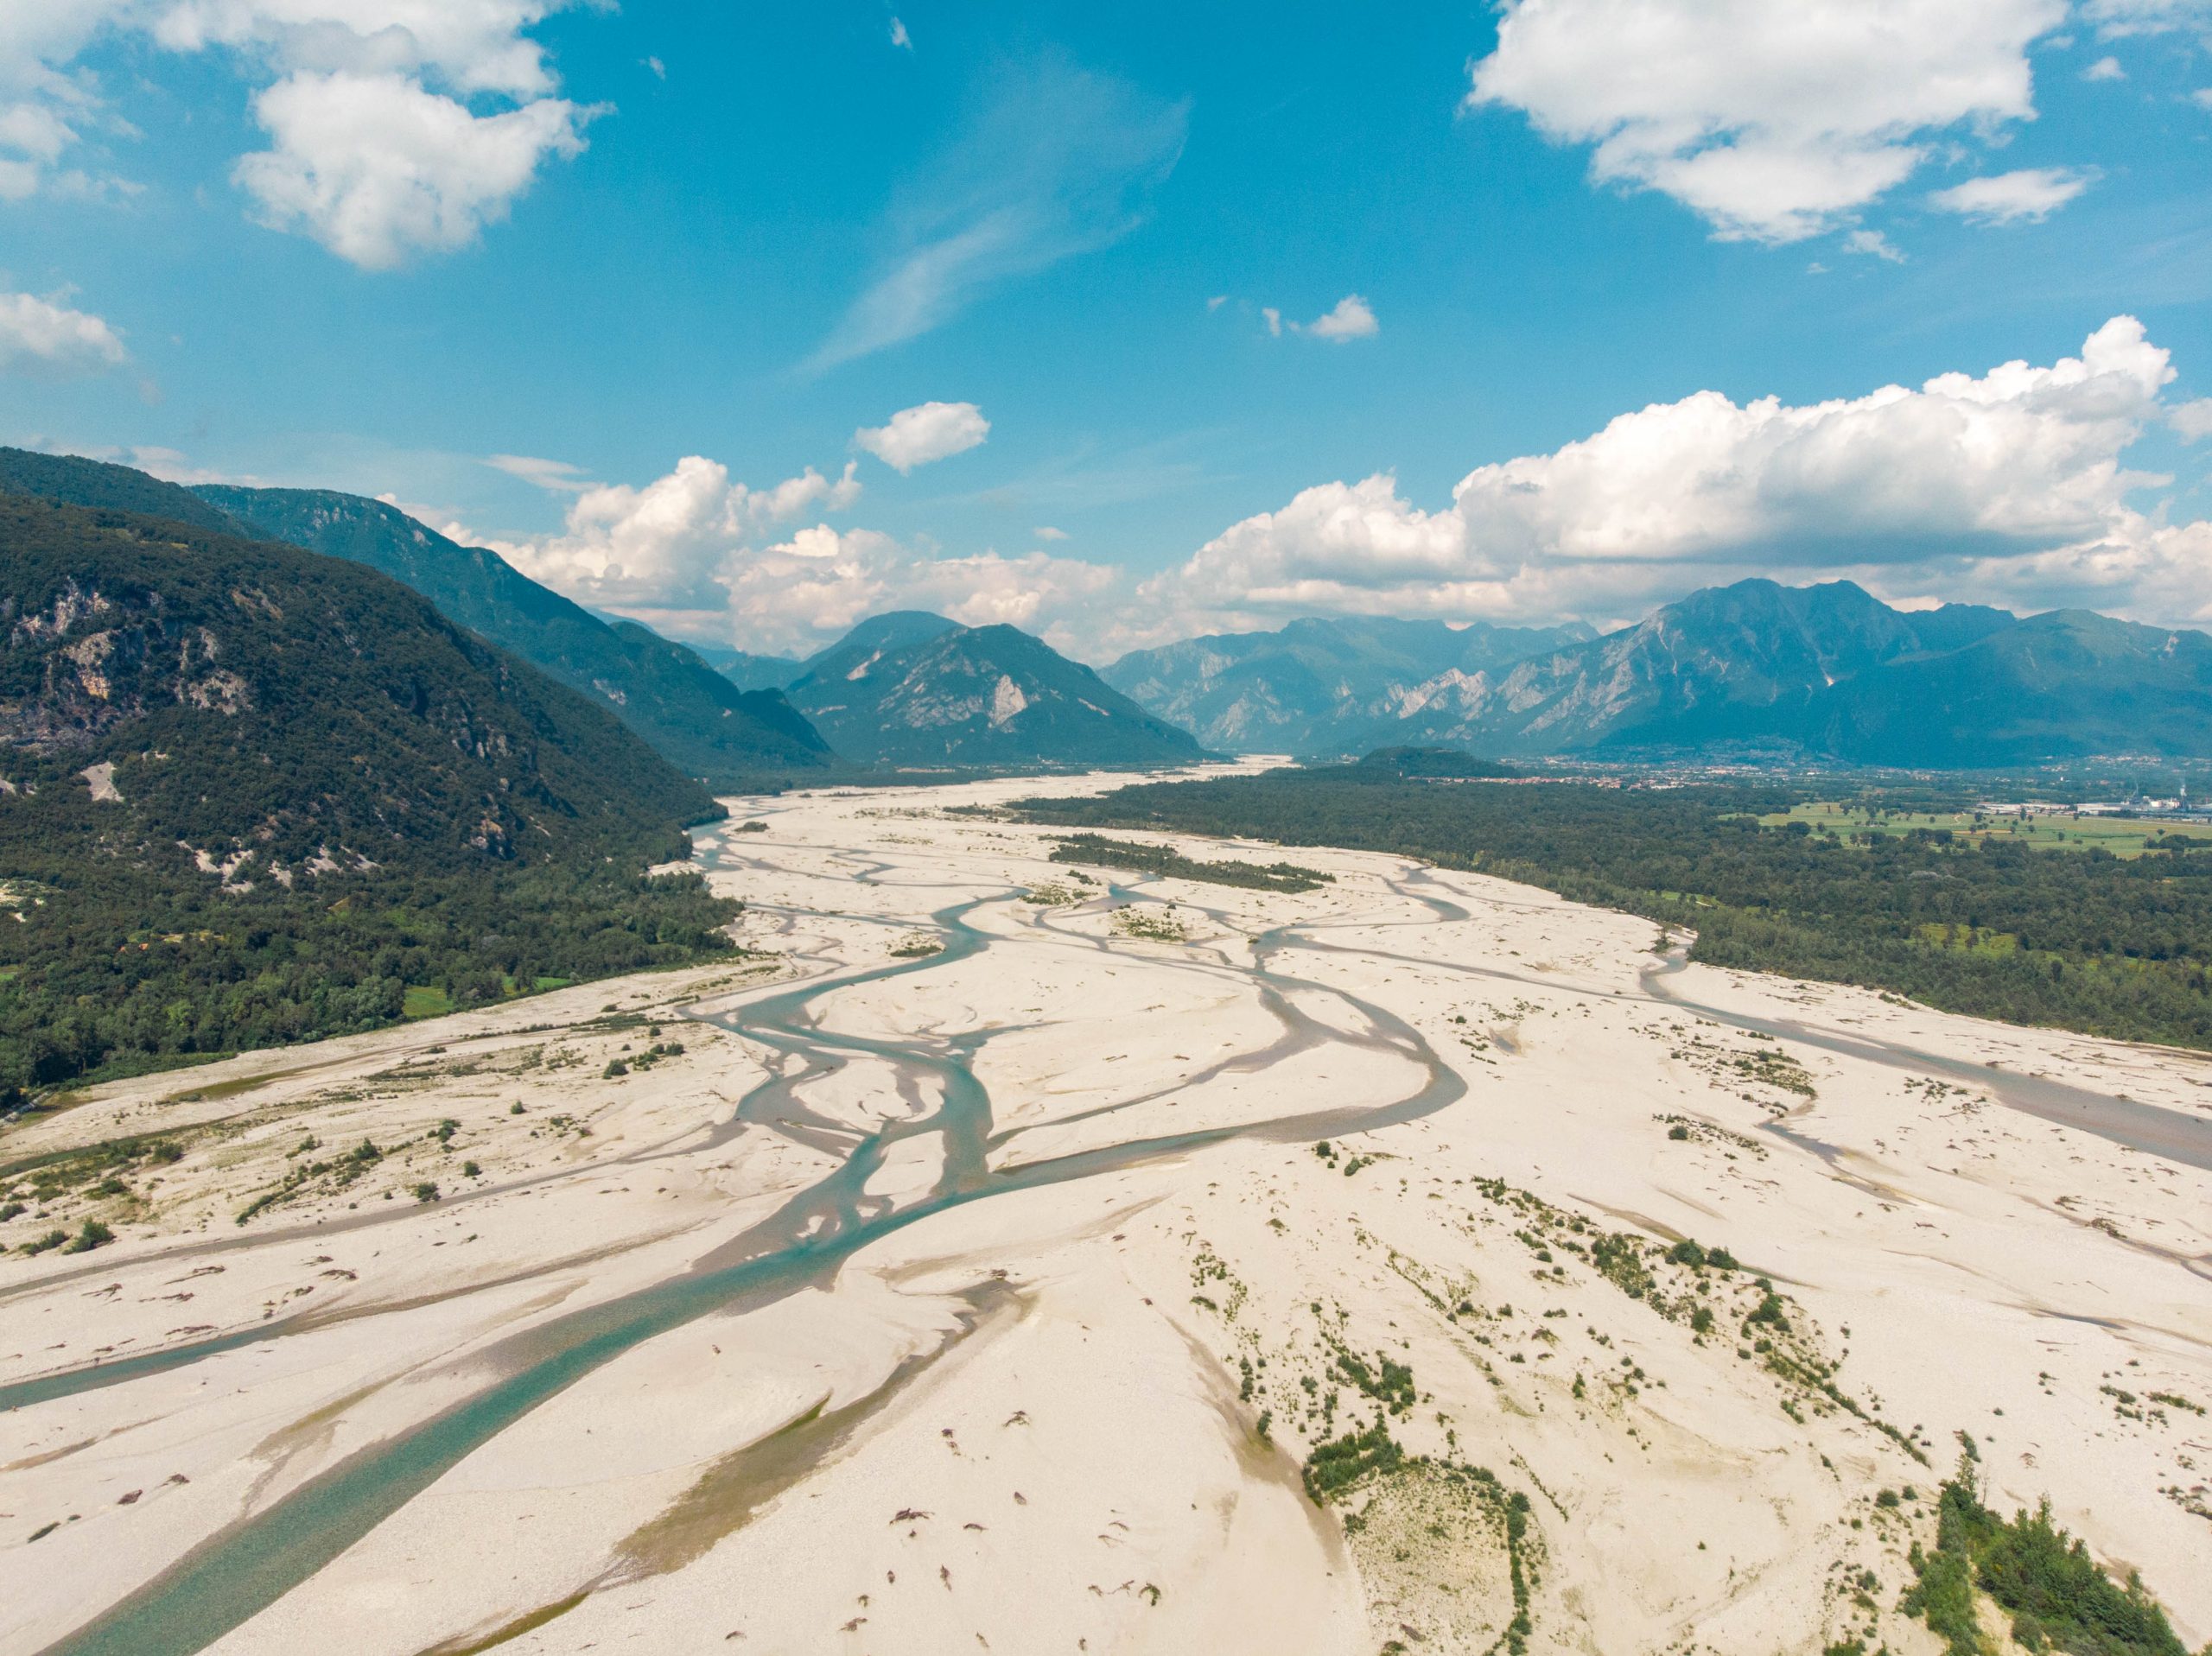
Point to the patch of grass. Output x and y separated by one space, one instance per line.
424 1000
2057 831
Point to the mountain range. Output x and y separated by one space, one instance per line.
1750 671
1829 672
1299 690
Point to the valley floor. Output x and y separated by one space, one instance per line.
980 1264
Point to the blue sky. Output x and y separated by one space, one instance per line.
1197 315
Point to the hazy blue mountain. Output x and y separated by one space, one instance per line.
1830 671
1315 683
914 688
691 713
748 671
2056 685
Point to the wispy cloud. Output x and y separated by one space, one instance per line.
554 477
2031 194
1056 163
1872 243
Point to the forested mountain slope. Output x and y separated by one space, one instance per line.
695 716
250 794
74 481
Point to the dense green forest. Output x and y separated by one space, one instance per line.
123 963
249 795
2074 939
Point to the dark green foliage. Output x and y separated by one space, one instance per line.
1619 1259
132 969
2074 940
1336 1465
446 817
70 481
94 1234
1388 1382
1767 1314
2058 1598
1687 1252
1409 764
691 713
1101 852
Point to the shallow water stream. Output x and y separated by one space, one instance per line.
244 1569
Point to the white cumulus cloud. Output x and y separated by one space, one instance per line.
47 336
376 167
1772 122
1352 318
399 126
663 543
924 433
2030 195
799 593
1965 478
700 554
